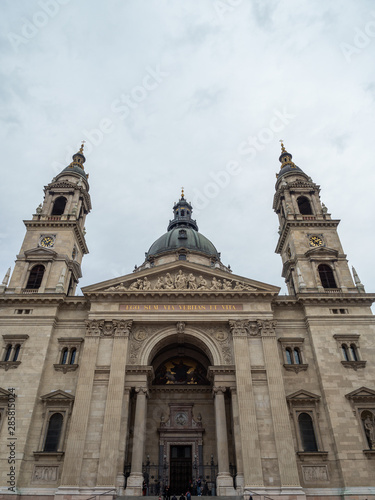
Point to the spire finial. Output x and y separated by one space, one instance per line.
283 150
81 148
182 192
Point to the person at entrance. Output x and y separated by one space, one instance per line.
199 486
182 497
188 495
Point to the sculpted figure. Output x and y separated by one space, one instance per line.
227 285
160 283
137 285
370 431
239 286
181 280
111 289
215 284
169 282
202 284
192 282
120 287
146 284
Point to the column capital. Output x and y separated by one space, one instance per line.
141 390
122 328
233 389
94 327
267 327
239 327
218 390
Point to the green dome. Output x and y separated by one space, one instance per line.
182 237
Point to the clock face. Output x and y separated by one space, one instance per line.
315 241
47 242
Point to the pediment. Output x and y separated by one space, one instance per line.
40 253
57 396
184 278
302 395
361 394
322 252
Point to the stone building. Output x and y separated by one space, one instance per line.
183 372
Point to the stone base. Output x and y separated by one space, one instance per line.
287 493
240 483
134 485
224 485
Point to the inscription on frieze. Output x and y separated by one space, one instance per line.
180 307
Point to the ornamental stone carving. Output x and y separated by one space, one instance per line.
45 474
94 328
267 328
122 328
314 473
221 336
182 281
218 390
137 338
239 328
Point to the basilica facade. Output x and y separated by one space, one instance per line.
181 373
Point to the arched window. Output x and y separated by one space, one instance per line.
8 352
353 352
73 356
16 352
304 206
64 356
345 352
297 356
288 353
35 277
53 432
307 433
59 206
326 276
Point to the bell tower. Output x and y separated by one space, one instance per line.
54 245
309 245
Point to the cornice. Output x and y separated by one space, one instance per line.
62 223
317 298
289 223
180 293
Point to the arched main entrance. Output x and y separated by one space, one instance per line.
180 445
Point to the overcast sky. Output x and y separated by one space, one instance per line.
195 94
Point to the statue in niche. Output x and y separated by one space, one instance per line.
368 424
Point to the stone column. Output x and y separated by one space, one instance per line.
75 447
224 479
135 480
252 465
109 447
280 416
120 479
237 441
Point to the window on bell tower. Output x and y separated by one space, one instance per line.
304 206
35 277
326 276
59 206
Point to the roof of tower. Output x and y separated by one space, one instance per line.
183 233
287 165
77 164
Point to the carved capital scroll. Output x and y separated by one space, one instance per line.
267 328
239 328
122 328
94 328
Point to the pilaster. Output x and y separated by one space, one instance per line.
280 416
252 466
78 427
109 448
